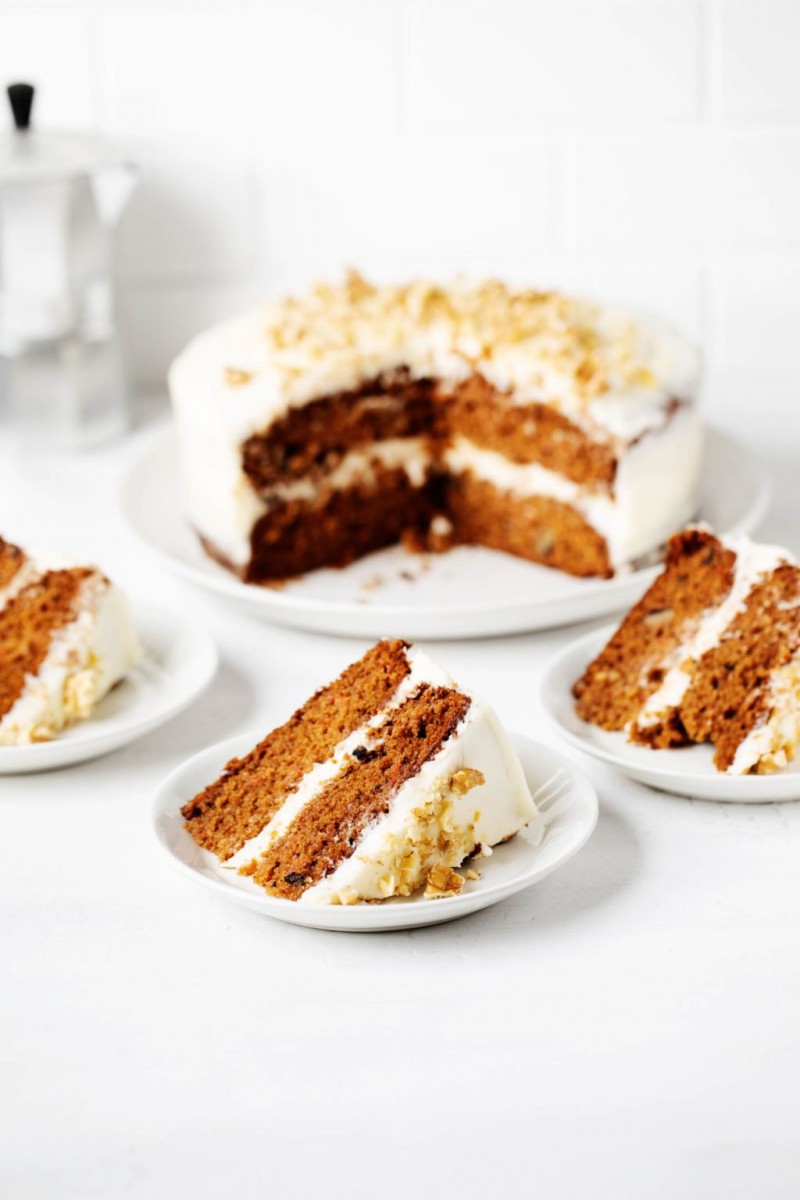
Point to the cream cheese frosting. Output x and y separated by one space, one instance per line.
84 660
772 743
605 367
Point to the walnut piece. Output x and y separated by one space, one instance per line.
235 377
442 881
465 780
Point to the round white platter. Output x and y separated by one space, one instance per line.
566 800
178 662
466 592
688 771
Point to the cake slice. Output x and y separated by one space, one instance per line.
711 653
382 783
65 639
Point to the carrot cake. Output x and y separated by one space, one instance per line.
381 784
318 429
65 639
711 653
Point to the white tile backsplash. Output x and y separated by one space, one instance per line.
690 191
645 150
176 73
188 221
523 66
758 306
329 71
759 45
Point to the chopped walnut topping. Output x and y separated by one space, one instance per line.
442 881
588 349
234 377
465 780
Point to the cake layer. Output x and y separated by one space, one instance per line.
306 442
65 640
536 527
363 807
337 525
235 808
743 695
476 414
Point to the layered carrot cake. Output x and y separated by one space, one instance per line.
65 639
381 784
711 653
318 429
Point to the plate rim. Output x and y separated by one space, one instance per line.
345 918
730 788
271 603
60 751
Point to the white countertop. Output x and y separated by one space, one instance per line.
629 1027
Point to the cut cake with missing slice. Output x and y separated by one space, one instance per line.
711 653
380 784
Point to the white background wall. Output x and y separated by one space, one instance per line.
644 149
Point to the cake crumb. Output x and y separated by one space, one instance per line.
443 881
471 873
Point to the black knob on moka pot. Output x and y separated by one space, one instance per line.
20 96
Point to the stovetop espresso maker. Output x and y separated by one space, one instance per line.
61 195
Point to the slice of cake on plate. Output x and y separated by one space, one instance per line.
65 639
321 428
711 653
381 784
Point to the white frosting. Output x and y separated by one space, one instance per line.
772 744
488 813
410 455
753 563
238 378
84 660
284 355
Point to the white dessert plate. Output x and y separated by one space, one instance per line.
689 771
467 592
178 662
567 802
